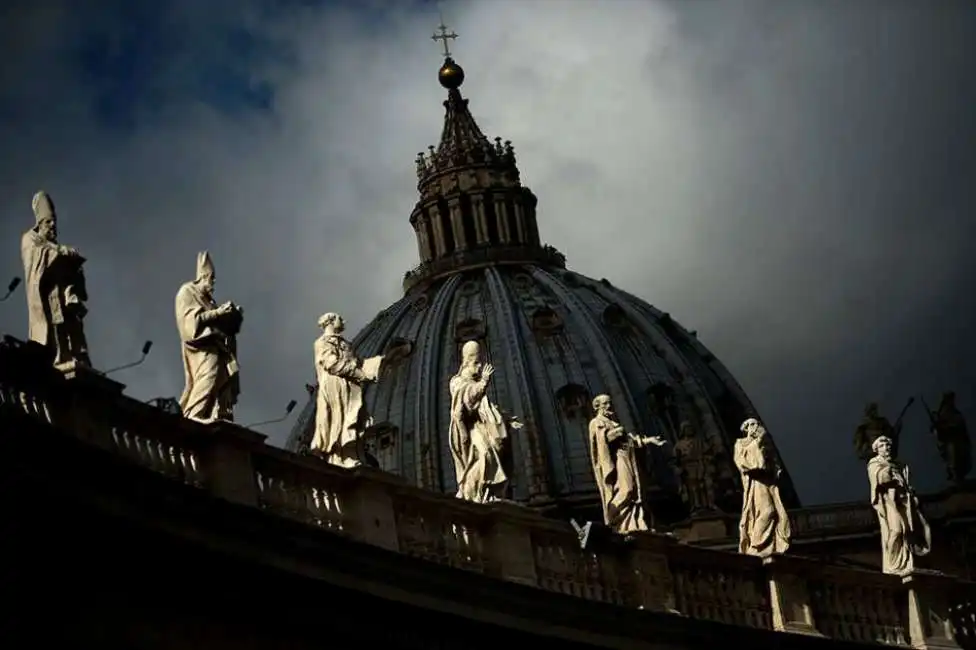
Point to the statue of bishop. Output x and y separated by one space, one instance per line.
208 333
341 417
615 468
479 431
55 288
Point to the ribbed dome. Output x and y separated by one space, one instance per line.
556 338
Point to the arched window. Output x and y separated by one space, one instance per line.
574 402
469 329
546 321
614 316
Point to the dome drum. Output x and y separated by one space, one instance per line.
468 221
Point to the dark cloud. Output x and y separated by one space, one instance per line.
793 180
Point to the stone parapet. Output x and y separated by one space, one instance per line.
646 571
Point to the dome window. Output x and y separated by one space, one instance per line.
574 402
572 280
523 282
420 304
546 321
614 316
470 329
660 396
469 288
397 350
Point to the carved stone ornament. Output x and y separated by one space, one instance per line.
208 337
341 417
764 527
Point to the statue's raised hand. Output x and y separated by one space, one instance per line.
487 372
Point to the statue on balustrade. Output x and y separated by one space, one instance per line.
615 468
764 528
876 425
341 417
208 334
479 431
694 461
905 533
55 288
952 438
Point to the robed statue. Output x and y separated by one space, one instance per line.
479 431
208 334
874 425
764 527
55 288
952 438
341 417
615 468
905 533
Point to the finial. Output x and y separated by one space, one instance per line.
451 75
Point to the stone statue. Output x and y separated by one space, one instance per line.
479 431
875 425
952 437
208 334
615 468
695 466
764 528
904 532
341 417
55 288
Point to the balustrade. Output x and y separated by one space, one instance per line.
645 571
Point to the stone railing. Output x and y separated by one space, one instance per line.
813 524
646 571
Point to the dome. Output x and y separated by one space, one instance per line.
556 339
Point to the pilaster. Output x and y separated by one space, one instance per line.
929 625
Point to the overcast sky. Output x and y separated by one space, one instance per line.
794 180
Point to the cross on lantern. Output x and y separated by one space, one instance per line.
444 36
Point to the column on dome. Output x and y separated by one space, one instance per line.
420 241
480 223
440 244
520 222
501 214
420 229
443 213
457 227
528 202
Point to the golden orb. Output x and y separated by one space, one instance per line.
451 75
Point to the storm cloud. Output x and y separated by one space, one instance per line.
793 180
